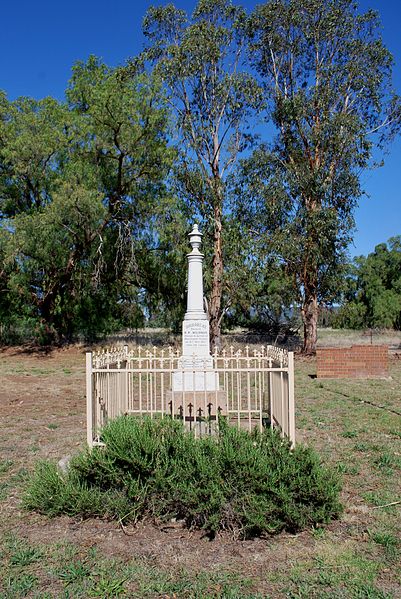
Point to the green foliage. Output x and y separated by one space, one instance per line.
388 540
26 556
260 292
246 483
35 136
373 294
96 192
71 496
74 571
108 586
19 585
81 189
5 466
326 77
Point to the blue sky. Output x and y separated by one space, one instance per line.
41 40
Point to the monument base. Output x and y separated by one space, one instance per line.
195 374
195 367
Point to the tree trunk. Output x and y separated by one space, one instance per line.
309 313
45 305
310 279
217 282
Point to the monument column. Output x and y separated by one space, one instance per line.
195 310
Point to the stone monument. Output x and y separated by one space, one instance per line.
196 358
195 381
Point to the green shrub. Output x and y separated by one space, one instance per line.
52 493
248 483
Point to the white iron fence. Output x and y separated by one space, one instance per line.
249 388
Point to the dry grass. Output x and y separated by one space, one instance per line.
354 424
342 337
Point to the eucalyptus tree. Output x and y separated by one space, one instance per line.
327 81
200 59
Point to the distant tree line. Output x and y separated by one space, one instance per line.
372 297
255 125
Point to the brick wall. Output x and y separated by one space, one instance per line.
358 361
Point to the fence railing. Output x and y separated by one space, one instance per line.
250 388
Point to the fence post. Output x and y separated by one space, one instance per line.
89 399
291 401
126 382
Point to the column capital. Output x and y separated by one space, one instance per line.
195 239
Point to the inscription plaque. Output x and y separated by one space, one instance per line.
195 337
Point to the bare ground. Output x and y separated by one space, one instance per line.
42 415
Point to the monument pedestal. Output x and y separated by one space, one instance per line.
195 337
195 367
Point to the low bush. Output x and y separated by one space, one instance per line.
247 483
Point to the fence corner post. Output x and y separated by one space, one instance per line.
291 399
89 399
